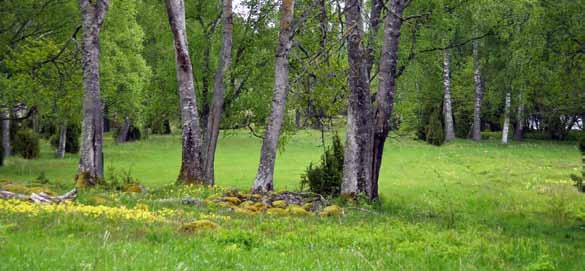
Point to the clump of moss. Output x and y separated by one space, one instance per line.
232 200
199 225
133 188
332 210
297 210
96 200
277 211
279 204
38 190
16 188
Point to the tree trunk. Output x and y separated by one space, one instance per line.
476 130
264 178
385 96
6 134
519 130
214 121
191 163
62 141
91 157
506 128
357 164
375 12
447 105
123 134
35 121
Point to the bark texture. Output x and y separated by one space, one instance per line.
62 142
264 178
214 119
519 130
91 168
375 12
506 127
447 105
476 128
191 163
6 134
357 164
387 88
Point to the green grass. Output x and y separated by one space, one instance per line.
462 206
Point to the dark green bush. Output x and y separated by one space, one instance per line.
434 130
72 139
1 154
325 178
26 144
133 133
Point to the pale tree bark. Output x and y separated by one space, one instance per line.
519 130
91 168
6 134
478 89
506 127
357 164
191 163
214 120
387 87
264 178
123 135
62 141
447 105
375 12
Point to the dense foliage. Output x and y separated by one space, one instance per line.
325 177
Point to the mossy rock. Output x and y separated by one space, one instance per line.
226 204
332 210
247 203
232 200
96 200
297 210
308 206
133 188
199 225
38 190
279 204
245 211
277 211
214 197
82 180
16 188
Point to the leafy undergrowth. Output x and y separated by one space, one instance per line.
193 228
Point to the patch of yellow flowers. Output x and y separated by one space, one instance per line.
139 213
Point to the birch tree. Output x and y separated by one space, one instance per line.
478 91
506 127
91 158
264 177
447 105
191 171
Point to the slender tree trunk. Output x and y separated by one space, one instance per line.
264 177
447 105
476 130
123 135
62 141
357 164
506 128
519 130
214 121
375 12
91 168
35 121
385 96
191 163
6 134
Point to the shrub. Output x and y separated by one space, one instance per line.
71 140
434 130
26 144
133 133
326 177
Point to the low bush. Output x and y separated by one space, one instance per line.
435 134
325 178
27 144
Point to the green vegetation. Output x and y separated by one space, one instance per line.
462 206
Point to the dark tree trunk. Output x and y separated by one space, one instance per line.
357 164
214 121
476 130
91 158
191 163
264 178
447 105
35 121
106 119
385 96
6 134
123 134
506 128
62 142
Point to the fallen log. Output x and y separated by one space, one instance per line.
42 197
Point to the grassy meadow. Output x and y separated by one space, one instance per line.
461 206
